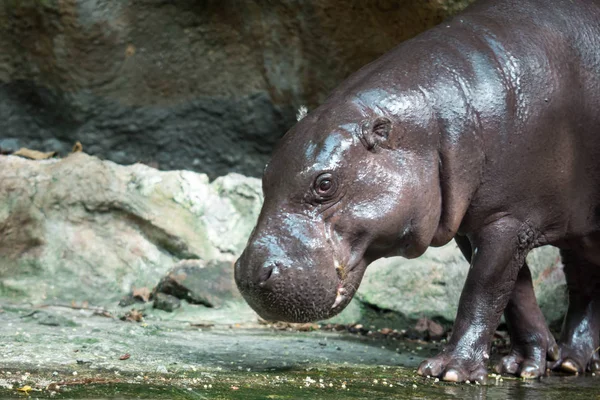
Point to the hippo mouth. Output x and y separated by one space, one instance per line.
345 286
340 297
341 293
296 289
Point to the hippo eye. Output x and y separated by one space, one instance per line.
325 186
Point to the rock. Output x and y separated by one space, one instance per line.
199 282
430 285
137 295
426 329
200 85
129 300
133 316
143 294
166 302
161 369
9 146
85 229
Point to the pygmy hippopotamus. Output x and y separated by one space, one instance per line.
485 129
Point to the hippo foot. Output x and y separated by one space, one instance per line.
452 366
577 359
528 358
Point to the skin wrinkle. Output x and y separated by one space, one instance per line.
326 207
443 223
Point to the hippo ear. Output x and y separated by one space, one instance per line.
376 132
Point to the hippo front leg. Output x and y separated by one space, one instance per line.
499 252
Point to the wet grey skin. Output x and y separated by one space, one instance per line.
486 130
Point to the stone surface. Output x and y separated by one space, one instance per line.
426 329
175 343
187 84
166 302
84 229
199 282
430 286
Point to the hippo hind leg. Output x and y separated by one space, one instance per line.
532 343
580 336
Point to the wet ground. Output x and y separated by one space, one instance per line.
60 352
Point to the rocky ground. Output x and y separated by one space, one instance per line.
67 352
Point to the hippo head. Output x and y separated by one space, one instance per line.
354 180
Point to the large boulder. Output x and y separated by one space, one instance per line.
85 229
198 282
186 84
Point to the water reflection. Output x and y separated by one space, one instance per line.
550 388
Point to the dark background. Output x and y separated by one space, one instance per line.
189 84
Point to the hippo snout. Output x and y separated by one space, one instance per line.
269 272
284 290
265 275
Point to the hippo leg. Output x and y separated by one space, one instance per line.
531 341
581 328
501 250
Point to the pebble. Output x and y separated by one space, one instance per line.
161 369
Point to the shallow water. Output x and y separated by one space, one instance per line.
171 359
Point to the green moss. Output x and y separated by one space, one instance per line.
322 382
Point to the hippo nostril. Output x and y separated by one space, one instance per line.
266 272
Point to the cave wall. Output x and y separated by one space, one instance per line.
205 85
